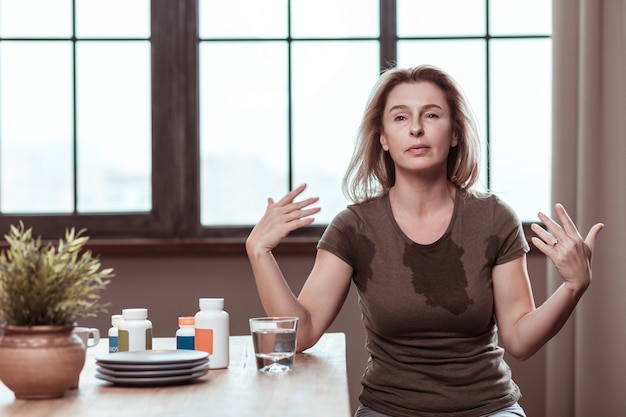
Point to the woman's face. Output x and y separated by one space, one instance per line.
417 129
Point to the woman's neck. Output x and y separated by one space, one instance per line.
423 213
422 198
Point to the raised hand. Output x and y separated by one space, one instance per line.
280 219
566 248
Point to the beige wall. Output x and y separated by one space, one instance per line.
170 287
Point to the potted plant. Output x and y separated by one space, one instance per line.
44 290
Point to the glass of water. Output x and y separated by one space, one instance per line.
274 341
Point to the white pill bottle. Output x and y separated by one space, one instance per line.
134 331
116 319
212 331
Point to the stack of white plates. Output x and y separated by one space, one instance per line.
152 367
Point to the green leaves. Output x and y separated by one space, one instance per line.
49 285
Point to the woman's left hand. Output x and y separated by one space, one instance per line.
566 248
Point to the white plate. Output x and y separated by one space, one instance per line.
151 366
163 380
152 357
152 372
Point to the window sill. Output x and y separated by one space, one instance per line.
193 247
222 246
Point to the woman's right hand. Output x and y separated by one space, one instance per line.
280 219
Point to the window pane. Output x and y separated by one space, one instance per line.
35 18
114 126
112 18
465 61
36 127
242 19
328 103
243 129
332 18
440 18
520 17
521 115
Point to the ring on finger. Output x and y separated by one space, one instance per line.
555 242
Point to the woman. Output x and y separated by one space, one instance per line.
440 269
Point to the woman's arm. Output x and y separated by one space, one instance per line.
522 327
326 287
323 295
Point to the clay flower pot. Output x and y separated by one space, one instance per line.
40 362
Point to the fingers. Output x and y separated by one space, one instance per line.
547 238
291 195
287 210
281 218
544 237
551 226
590 240
566 221
562 243
555 231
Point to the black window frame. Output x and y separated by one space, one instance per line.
175 200
175 216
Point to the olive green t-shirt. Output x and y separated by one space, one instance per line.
428 310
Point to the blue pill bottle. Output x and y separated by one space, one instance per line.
185 335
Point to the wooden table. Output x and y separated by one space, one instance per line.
317 386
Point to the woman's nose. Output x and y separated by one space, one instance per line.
415 129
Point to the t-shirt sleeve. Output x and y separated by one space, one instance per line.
511 234
340 236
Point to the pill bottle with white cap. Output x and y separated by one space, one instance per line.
135 330
212 331
116 319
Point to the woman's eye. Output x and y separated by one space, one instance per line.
400 118
431 116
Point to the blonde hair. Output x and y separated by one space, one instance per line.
371 171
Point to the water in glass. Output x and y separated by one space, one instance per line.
274 349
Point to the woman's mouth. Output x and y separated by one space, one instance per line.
418 149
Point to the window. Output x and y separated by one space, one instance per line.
139 118
283 105
500 51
